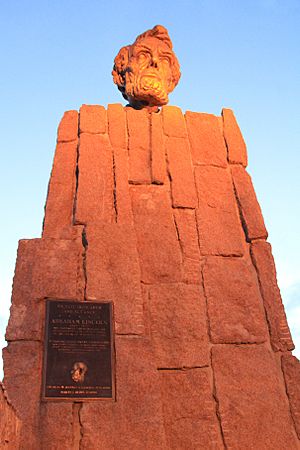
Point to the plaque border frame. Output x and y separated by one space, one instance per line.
44 398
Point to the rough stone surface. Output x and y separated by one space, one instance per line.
92 119
219 227
185 220
61 192
138 124
158 246
68 127
207 143
95 198
279 330
24 386
178 325
237 151
291 371
252 218
235 307
45 268
181 173
113 273
173 122
138 390
10 424
189 410
56 419
158 157
117 126
253 406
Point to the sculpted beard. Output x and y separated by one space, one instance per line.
144 85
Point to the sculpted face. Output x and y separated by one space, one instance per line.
147 71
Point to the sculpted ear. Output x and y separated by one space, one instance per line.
120 66
175 73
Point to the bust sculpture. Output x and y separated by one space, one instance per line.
148 70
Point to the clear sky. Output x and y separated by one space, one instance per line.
242 54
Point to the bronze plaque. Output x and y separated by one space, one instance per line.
78 350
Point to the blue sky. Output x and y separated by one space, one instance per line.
58 54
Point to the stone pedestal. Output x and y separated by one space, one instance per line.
156 213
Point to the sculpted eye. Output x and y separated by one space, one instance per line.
143 56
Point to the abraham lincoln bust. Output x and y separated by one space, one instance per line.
148 70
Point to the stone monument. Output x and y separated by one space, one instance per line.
148 315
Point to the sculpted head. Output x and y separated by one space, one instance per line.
148 70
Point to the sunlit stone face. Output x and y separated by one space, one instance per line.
149 75
148 70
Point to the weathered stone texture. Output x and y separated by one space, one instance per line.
263 260
22 369
45 268
158 246
61 192
177 317
10 424
252 218
135 421
56 422
207 143
113 273
185 220
181 173
235 307
158 157
189 410
219 227
95 198
252 402
138 123
92 119
291 371
173 122
237 151
68 127
117 127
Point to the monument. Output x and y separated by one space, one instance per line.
148 315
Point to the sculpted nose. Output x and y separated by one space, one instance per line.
154 62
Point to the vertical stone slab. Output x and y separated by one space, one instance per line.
45 268
237 151
22 378
207 143
138 417
158 157
158 246
56 425
93 119
177 314
235 307
252 402
253 221
117 127
10 424
95 198
118 138
138 124
98 428
264 263
61 192
185 220
113 273
291 371
173 122
181 173
68 127
189 411
219 227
